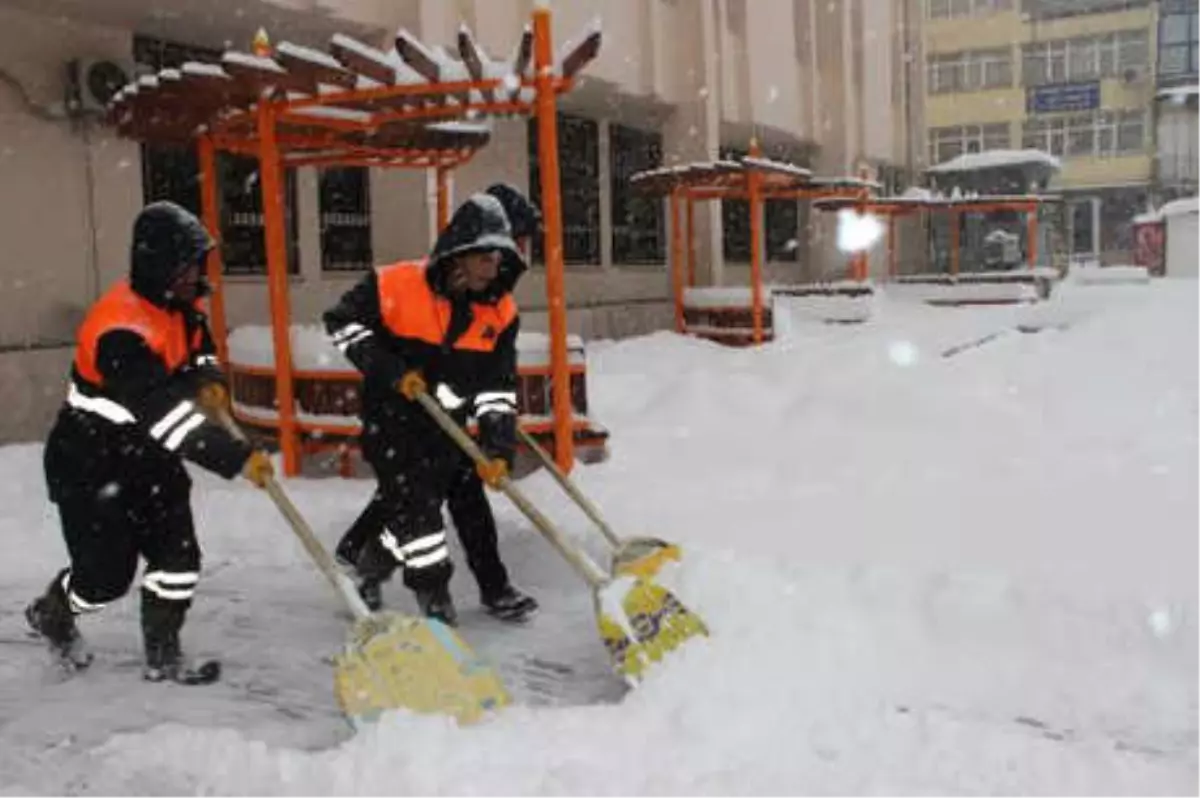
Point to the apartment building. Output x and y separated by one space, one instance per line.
1074 78
820 83
1176 163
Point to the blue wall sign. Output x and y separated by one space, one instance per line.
1063 97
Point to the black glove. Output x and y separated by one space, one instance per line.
498 436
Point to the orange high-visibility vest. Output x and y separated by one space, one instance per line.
122 308
412 309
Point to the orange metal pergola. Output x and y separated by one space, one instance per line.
755 179
895 207
412 107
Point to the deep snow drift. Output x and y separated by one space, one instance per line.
974 573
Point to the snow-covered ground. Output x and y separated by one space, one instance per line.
973 573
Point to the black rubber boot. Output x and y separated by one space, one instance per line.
161 623
51 617
509 604
374 566
436 603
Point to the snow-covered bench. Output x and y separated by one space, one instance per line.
725 314
327 390
976 288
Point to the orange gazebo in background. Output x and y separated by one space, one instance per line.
410 107
755 179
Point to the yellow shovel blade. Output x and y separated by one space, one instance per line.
640 621
421 665
643 557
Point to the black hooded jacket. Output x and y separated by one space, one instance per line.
134 408
486 380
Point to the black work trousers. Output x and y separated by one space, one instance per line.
470 511
117 504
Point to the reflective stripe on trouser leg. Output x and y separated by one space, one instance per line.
423 552
79 605
171 585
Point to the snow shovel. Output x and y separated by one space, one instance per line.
639 621
632 556
392 661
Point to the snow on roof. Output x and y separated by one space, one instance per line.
364 51
593 27
992 159
203 69
329 111
777 166
1180 207
462 126
302 53
253 62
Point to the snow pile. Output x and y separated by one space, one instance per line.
922 575
787 311
1108 275
732 296
965 292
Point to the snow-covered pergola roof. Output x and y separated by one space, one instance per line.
413 105
726 177
997 159
908 203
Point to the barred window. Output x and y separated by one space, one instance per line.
173 173
1085 58
950 9
946 143
971 70
579 177
637 219
1101 134
345 208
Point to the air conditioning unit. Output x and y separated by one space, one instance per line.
91 83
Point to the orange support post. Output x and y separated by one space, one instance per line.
690 231
211 215
271 181
754 190
677 258
547 121
1031 232
443 198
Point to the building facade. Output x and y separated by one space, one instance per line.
1074 78
823 84
1176 164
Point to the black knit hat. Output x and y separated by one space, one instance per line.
523 215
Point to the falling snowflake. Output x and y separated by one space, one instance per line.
903 353
110 491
